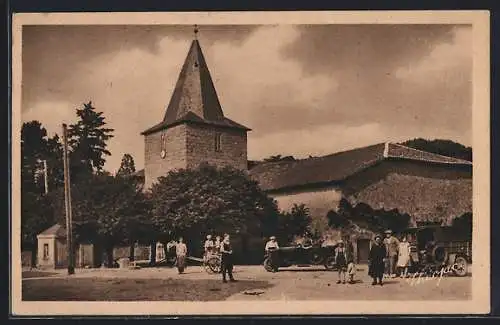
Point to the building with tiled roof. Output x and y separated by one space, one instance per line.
385 176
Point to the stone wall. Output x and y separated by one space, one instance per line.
424 191
201 147
175 148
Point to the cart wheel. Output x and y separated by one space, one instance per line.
460 266
330 263
268 265
213 265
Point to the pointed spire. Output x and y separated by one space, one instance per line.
194 98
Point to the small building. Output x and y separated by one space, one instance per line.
52 247
53 254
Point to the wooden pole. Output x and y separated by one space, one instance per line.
46 176
67 196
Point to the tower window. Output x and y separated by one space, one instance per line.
217 142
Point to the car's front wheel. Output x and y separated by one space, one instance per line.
460 266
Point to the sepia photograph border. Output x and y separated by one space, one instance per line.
478 304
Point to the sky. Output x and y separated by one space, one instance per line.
302 89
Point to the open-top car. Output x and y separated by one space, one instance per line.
300 255
439 249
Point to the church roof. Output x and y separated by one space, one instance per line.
194 99
337 167
56 230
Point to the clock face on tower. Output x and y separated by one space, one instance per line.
163 152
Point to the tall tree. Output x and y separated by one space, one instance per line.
88 141
55 165
33 149
127 166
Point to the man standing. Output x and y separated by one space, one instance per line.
392 247
226 259
271 248
181 251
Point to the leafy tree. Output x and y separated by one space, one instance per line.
127 166
88 142
191 202
442 147
297 222
108 211
463 223
55 164
37 215
33 150
348 218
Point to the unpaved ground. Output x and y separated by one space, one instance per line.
309 283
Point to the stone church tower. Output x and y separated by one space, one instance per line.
194 128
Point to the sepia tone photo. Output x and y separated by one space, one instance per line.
279 163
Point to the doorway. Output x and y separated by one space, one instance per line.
363 250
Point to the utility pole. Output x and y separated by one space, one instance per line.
46 176
67 196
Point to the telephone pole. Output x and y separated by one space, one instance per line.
46 176
67 196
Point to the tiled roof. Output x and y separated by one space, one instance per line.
57 230
194 98
338 166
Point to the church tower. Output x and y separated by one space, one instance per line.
194 129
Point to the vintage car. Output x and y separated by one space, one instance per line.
439 249
300 255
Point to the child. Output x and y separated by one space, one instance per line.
341 261
351 270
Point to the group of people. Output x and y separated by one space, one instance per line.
389 256
225 250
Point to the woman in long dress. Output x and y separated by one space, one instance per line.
376 260
404 257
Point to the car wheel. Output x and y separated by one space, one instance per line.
330 263
460 266
268 265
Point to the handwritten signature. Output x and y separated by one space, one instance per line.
422 277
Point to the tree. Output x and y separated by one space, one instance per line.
463 223
88 142
295 223
127 166
107 211
37 215
192 202
442 147
33 149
